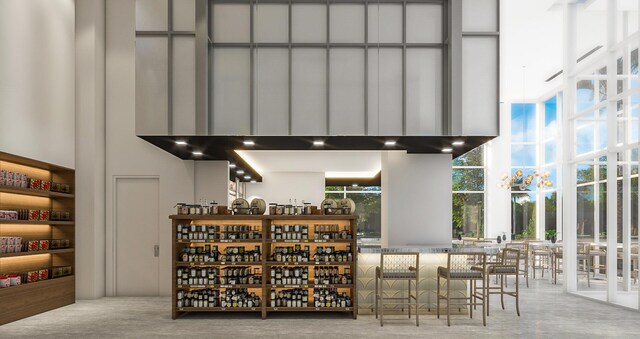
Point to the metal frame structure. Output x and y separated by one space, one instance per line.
328 45
169 34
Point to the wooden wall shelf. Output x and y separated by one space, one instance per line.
29 299
267 244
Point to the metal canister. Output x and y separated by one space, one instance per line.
213 208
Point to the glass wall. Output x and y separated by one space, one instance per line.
368 208
468 194
601 163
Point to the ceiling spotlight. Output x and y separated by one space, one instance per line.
240 171
253 181
318 143
247 177
181 143
248 143
447 150
390 143
198 153
232 165
458 143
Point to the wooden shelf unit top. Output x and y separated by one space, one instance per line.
34 192
24 254
38 222
313 217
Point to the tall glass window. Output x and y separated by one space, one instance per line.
368 208
468 194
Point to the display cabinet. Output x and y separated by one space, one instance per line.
264 263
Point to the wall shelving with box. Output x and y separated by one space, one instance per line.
37 237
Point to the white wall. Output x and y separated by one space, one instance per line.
416 199
211 181
37 79
281 186
128 155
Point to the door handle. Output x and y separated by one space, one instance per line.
156 251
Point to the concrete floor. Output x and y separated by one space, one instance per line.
546 312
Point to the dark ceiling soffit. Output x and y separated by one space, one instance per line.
223 147
374 181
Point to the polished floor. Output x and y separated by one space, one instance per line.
546 313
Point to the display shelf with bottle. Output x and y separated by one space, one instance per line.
37 237
285 263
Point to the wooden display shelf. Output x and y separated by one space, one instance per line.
310 263
265 221
216 286
32 298
235 218
38 222
218 263
219 309
310 309
34 192
23 254
311 286
220 241
309 241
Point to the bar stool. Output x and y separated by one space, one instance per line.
594 252
507 266
523 247
584 261
540 258
398 266
464 266
556 261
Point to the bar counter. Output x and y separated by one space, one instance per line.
430 258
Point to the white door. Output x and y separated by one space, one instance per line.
137 230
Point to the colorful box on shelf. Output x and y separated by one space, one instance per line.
60 271
10 245
13 179
8 215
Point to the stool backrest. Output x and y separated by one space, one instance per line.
399 262
466 261
511 256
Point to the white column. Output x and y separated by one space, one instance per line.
626 179
90 149
568 190
416 199
612 159
498 162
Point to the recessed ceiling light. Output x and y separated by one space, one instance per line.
253 181
240 171
354 185
390 143
458 143
248 143
181 142
447 150
232 165
247 177
198 153
318 143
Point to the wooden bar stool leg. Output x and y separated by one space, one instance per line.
417 303
381 301
438 297
485 293
376 297
448 303
517 296
502 290
409 297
